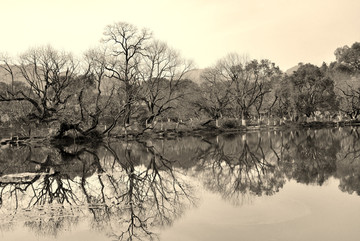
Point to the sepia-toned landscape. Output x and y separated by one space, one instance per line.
135 137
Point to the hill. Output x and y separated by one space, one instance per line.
292 69
5 76
194 75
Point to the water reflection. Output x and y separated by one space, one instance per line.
240 167
126 187
348 162
127 190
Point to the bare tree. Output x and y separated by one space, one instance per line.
11 82
95 97
49 74
162 73
215 97
346 88
126 48
248 81
6 63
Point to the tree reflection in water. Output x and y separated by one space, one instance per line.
348 162
241 167
147 194
311 156
128 189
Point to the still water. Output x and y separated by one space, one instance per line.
277 185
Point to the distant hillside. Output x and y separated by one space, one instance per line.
292 69
6 77
194 75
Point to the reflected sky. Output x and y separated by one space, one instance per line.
288 185
297 212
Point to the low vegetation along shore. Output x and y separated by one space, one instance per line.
165 130
133 85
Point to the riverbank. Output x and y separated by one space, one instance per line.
185 130
171 130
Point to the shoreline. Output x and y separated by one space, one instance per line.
170 133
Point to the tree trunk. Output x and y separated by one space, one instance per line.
243 121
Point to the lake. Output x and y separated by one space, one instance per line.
262 185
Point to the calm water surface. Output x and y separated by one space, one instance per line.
289 185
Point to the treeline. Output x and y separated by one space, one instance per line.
133 81
238 87
131 77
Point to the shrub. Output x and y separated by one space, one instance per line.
230 124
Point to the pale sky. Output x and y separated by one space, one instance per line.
285 31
